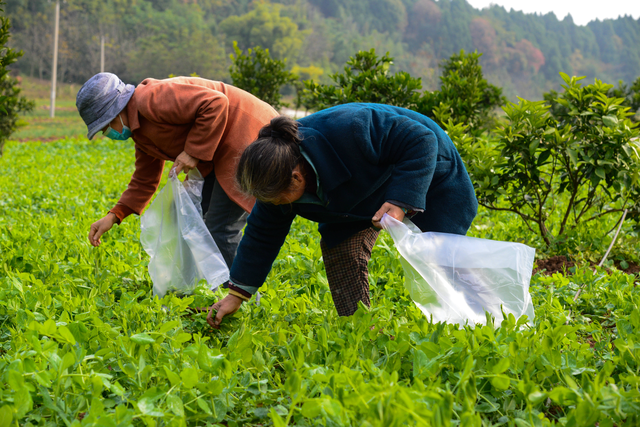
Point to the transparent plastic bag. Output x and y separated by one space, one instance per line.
173 233
457 278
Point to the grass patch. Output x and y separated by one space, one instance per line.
37 125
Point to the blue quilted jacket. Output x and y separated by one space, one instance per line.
364 155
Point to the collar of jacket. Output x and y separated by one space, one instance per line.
132 113
330 168
340 192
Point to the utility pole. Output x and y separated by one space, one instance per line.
102 54
54 71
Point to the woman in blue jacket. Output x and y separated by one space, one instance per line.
344 168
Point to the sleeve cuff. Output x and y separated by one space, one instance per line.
239 295
234 285
407 209
201 155
121 212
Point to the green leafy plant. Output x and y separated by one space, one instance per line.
366 78
257 73
585 150
464 95
83 342
11 103
630 95
633 98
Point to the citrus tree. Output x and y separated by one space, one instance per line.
464 96
259 74
366 78
557 171
11 103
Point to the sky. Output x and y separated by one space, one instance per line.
582 11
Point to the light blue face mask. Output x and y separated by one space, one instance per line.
113 134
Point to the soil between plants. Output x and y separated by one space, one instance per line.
562 264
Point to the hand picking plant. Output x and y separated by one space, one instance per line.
588 153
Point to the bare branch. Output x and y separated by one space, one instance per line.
607 253
603 214
525 217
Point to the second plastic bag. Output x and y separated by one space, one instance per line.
455 279
180 247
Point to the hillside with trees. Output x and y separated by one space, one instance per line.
522 53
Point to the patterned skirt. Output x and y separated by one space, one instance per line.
347 273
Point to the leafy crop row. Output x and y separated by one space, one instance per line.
83 342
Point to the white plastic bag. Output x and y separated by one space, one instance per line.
457 278
173 233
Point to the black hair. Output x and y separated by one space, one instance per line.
266 166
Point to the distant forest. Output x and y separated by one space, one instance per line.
522 53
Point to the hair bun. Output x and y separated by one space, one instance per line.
281 130
266 166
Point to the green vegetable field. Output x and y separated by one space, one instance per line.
84 343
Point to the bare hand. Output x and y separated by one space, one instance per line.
228 305
389 209
184 162
100 227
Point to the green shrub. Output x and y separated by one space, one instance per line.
464 95
259 74
11 103
630 96
633 97
366 78
581 160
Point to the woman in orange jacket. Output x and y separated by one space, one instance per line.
191 121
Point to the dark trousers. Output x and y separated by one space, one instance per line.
224 219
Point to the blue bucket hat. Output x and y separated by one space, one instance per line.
101 99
